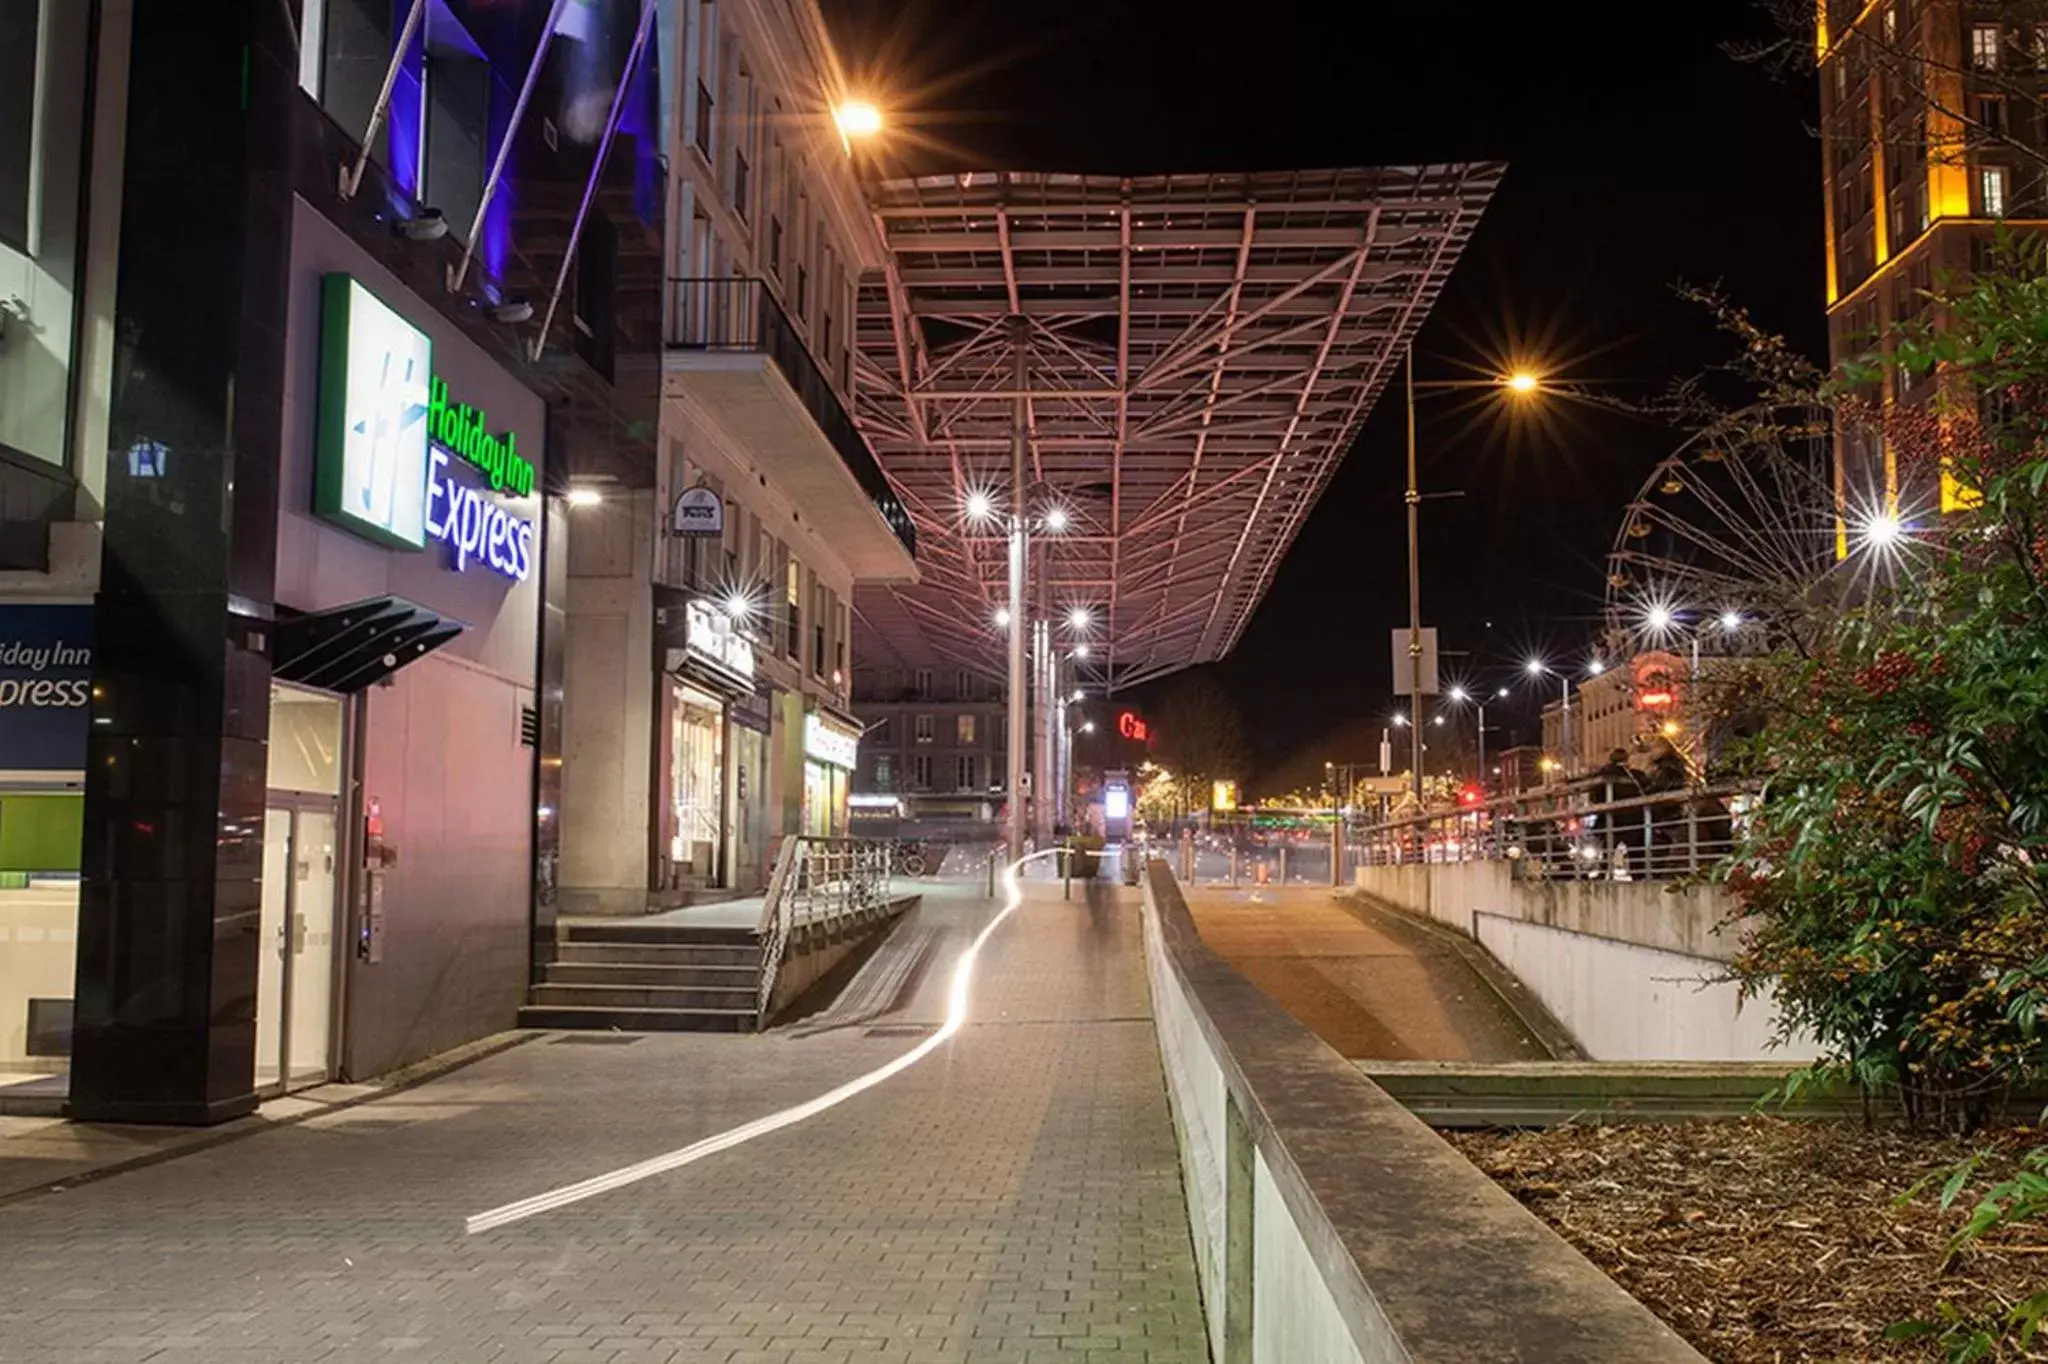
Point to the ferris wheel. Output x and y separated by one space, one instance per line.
1737 526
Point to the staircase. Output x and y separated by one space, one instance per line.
640 977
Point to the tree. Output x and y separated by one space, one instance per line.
1894 878
1199 736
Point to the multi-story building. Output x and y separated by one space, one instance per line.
1933 133
708 706
316 316
937 741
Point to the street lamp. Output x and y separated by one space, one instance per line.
1461 696
1521 383
856 119
1537 669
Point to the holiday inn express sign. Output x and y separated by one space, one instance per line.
397 460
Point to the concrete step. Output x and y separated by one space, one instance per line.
674 996
665 935
584 1017
659 954
640 972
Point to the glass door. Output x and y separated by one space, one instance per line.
274 942
309 970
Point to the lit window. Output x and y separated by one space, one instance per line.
1984 47
1891 24
1991 186
963 729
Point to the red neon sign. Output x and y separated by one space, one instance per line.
1131 727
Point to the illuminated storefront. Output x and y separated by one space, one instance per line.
712 764
831 752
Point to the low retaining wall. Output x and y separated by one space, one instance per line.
1330 1225
1635 970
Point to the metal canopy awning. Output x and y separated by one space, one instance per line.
348 648
1194 354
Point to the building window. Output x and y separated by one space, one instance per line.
884 772
963 686
1841 79
923 683
818 649
921 767
1990 114
802 288
793 645
1891 24
963 729
1991 191
1984 47
923 729
740 172
775 245
458 137
879 731
704 120
963 773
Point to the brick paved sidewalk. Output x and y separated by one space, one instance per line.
1014 1198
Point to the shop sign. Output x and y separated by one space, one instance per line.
388 431
830 744
711 634
699 511
45 686
1132 727
1223 795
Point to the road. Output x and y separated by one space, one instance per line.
1370 983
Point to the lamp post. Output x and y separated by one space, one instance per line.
1537 668
1461 696
1662 621
1521 384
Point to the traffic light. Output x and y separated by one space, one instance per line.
1470 795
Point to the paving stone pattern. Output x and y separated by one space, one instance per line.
1014 1199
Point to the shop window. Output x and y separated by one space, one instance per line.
964 729
924 729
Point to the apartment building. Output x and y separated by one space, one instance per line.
934 739
709 706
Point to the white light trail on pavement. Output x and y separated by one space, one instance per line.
956 1017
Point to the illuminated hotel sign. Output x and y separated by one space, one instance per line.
388 439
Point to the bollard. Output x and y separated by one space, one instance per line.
1233 866
1283 864
1336 853
991 874
1066 873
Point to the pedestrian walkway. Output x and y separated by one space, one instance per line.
1013 1199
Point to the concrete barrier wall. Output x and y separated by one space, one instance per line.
1634 970
1330 1225
1623 1002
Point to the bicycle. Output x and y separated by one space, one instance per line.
907 859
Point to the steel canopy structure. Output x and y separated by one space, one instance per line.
1196 352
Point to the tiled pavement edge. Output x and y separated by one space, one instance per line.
1015 1199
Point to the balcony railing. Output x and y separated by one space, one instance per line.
743 315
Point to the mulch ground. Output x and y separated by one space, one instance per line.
1769 1242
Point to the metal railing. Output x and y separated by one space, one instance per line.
741 314
1571 833
819 886
1575 833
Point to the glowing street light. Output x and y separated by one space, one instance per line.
1056 520
585 497
1658 617
1595 668
1400 720
1087 726
857 118
1080 651
1521 381
1535 667
1881 530
980 507
1002 618
1079 695
1731 621
739 606
1079 618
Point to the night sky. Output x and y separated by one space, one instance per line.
1639 156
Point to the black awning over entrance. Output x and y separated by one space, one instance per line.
347 648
